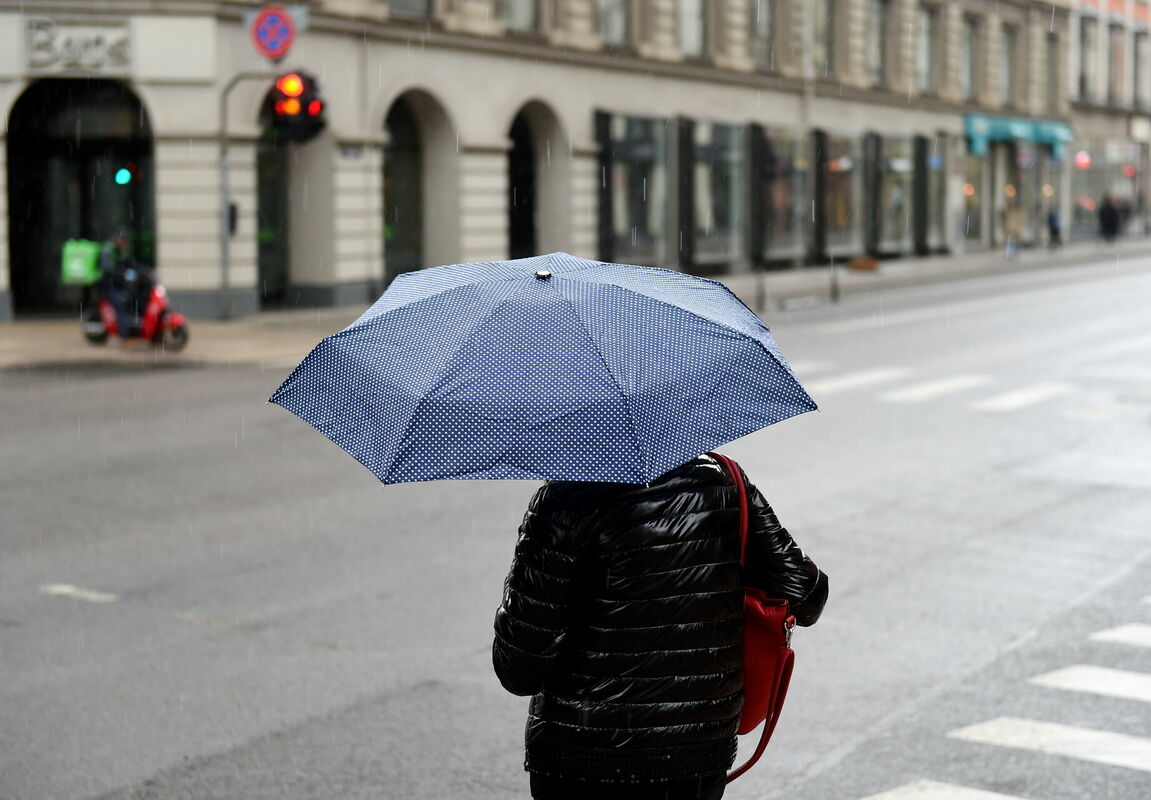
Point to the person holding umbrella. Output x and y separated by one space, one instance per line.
623 616
623 612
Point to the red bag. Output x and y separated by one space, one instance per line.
767 655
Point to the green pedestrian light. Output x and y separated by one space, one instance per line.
124 175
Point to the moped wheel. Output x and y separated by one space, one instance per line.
95 332
175 339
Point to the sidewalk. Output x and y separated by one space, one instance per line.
278 339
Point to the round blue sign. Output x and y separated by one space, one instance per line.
273 31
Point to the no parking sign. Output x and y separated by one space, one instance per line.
274 29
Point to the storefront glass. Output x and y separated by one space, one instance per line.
1028 190
936 195
843 176
896 172
639 185
788 195
974 175
719 167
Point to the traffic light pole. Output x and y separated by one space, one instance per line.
226 190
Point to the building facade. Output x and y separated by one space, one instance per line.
708 136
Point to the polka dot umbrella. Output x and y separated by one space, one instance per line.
552 367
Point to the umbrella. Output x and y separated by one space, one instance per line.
546 368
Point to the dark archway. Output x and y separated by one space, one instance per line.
522 238
80 166
403 191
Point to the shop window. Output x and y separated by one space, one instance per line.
823 39
926 49
638 187
973 182
1116 61
877 43
1142 55
410 8
1088 57
1053 72
1008 71
693 27
843 175
613 21
718 167
520 15
761 30
969 59
896 175
786 194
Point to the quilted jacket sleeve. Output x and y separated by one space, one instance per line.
776 564
533 618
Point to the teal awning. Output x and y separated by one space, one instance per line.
983 128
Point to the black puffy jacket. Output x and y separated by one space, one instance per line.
623 616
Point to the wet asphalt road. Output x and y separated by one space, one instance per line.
977 484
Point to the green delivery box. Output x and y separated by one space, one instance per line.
80 262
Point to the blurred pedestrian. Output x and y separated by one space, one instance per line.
1108 219
1012 229
1054 227
623 617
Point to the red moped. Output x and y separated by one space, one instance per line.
158 324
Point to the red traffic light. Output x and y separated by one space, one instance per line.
290 85
315 108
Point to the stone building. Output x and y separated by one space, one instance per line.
707 135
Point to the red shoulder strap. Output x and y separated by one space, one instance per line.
732 469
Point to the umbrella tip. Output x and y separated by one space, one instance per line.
543 274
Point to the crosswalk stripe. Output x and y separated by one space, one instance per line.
930 389
804 368
934 790
1100 747
854 380
1098 680
1135 633
1022 398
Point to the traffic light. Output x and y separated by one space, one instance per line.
125 174
293 108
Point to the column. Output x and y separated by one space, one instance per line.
571 23
903 42
480 17
657 31
188 226
359 214
5 294
585 183
484 202
851 43
791 37
729 33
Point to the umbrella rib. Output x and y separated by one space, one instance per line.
614 380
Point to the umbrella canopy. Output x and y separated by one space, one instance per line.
551 367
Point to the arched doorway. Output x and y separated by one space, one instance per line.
421 185
539 173
403 192
521 191
80 166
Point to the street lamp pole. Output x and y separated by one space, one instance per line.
226 190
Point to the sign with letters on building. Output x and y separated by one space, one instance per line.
53 46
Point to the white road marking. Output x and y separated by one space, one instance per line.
1023 397
1136 633
933 790
1098 680
854 380
68 590
919 392
1101 747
